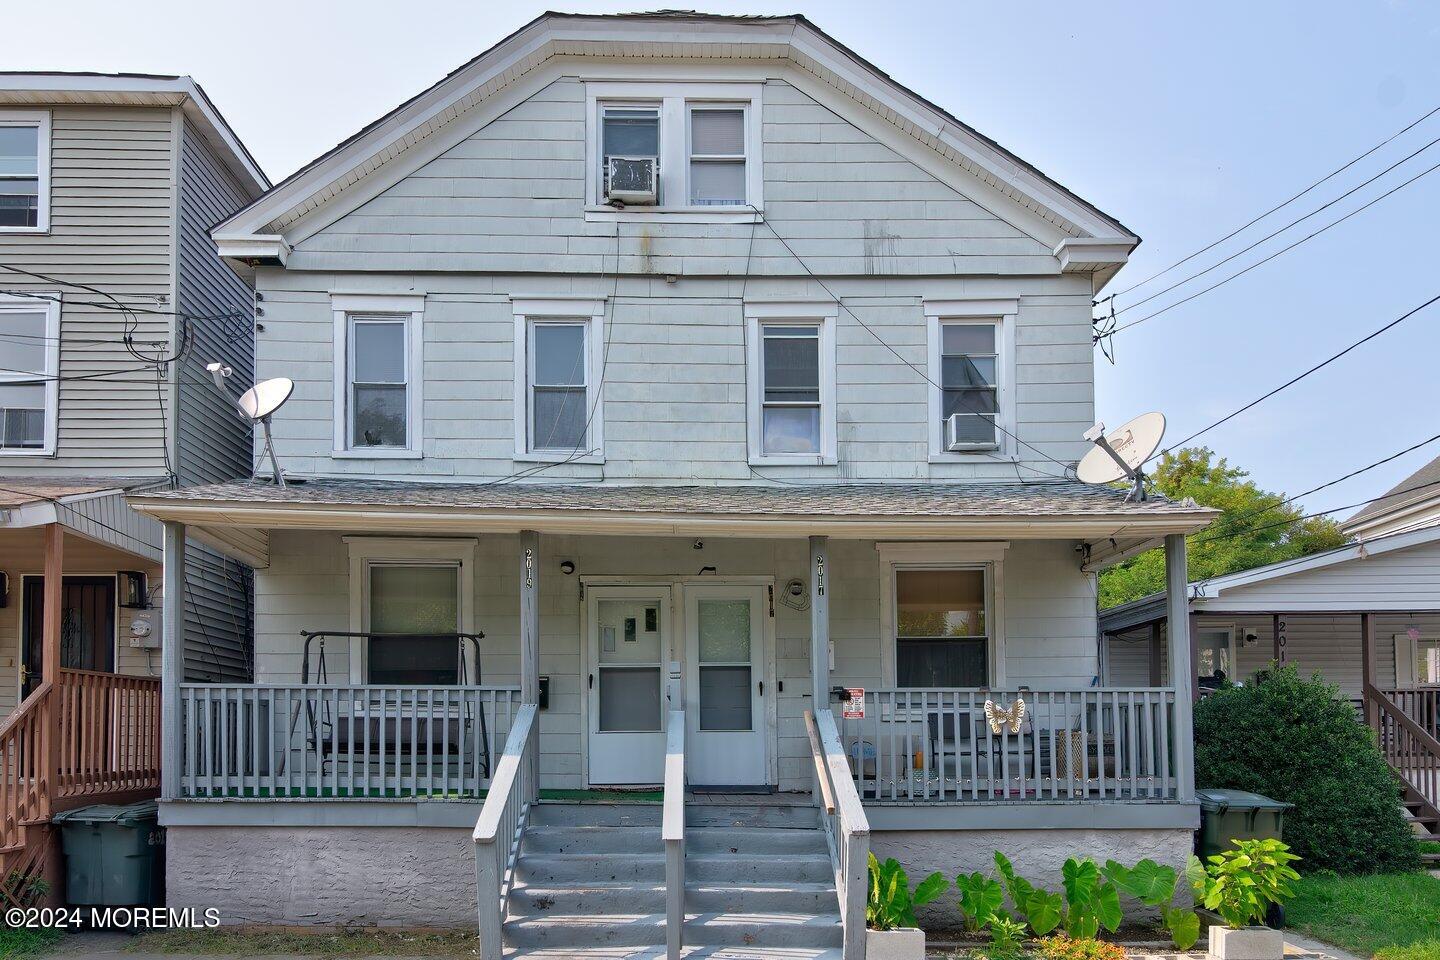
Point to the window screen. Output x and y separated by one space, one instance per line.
558 408
19 175
25 349
790 410
941 628
968 380
379 392
717 156
406 604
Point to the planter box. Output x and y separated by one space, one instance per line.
1247 943
907 943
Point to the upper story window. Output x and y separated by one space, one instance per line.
971 406
29 365
792 383
702 138
558 359
377 379
24 171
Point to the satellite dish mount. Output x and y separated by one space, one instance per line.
1123 453
256 405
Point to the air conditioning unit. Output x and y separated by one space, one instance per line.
633 181
955 440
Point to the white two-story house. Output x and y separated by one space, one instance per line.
683 410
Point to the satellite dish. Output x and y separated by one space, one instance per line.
1121 453
265 397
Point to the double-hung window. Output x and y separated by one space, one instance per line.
378 379
717 155
24 171
941 628
558 369
414 612
791 375
29 364
970 344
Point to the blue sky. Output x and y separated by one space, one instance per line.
1182 120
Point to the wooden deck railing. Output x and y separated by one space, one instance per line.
25 792
1406 727
501 828
1100 744
109 734
847 829
322 742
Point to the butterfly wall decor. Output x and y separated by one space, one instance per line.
999 716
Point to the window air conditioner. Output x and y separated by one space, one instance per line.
956 438
632 180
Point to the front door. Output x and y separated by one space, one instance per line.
87 626
725 685
629 648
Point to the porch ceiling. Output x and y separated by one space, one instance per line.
937 511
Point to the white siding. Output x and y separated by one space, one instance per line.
1396 579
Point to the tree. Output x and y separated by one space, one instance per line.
1255 527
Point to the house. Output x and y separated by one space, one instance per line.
1365 616
110 291
744 493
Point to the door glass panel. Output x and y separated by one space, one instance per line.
1427 661
725 698
724 668
630 660
629 699
724 631
629 632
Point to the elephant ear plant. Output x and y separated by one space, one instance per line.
1154 885
1090 901
892 904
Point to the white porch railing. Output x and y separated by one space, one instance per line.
847 830
501 828
1100 744
672 832
324 742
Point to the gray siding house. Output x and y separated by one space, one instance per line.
682 411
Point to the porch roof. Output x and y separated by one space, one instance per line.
933 511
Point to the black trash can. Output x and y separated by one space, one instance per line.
1227 815
114 855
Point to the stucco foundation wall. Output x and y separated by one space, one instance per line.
1036 854
299 876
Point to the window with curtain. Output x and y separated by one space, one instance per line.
941 628
409 605
790 372
717 156
379 382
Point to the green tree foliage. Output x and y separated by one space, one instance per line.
1294 740
1271 529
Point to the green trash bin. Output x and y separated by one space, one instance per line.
1227 815
114 855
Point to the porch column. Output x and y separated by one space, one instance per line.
820 622
50 619
529 616
1277 634
1367 670
1157 666
1182 668
172 659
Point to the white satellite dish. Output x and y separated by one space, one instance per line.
1122 453
256 405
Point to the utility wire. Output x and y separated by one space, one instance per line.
1309 516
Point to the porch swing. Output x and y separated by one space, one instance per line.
385 730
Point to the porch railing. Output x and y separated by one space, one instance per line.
672 834
309 742
501 828
109 734
1106 744
847 829
1420 703
1405 723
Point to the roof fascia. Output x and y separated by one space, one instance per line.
1287 568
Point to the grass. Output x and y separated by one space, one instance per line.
23 942
1371 915
1430 846
340 943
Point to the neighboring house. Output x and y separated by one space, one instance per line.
1365 616
108 188
588 497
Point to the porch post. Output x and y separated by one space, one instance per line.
530 642
50 618
1367 670
820 622
1182 668
1277 633
172 659
1157 667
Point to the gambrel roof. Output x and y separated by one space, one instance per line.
1083 237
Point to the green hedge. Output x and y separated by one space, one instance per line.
1294 740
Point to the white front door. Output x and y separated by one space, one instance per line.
725 685
629 646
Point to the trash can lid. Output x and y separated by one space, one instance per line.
1218 801
110 813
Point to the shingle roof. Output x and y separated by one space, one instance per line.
1039 499
17 491
1427 478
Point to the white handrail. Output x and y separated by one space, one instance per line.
672 831
500 828
846 827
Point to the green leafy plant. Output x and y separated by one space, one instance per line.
1090 901
1042 909
981 900
891 902
1062 947
1154 885
1241 884
1006 934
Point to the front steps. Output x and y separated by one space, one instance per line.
590 882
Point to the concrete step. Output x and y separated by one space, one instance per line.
528 900
752 815
586 930
748 840
776 869
594 839
760 897
767 929
550 814
568 869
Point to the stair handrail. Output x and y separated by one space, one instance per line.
1422 736
501 827
672 832
1424 779
847 829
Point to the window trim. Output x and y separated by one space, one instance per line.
674 100
40 119
1002 314
986 555
821 314
10 303
590 312
411 309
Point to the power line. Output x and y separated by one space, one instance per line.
1310 516
1296 379
1278 206
32 378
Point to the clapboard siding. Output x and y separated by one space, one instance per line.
1049 620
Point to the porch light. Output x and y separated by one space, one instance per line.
567 567
137 590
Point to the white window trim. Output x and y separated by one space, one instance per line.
1406 649
822 314
674 99
366 552
592 312
51 309
986 555
41 120
411 308
1001 313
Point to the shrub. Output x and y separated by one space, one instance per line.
1292 739
1062 947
